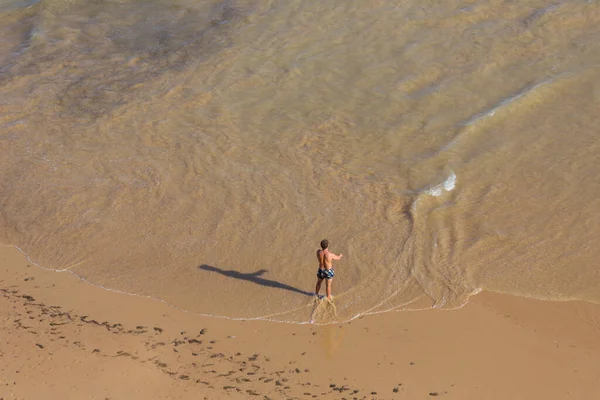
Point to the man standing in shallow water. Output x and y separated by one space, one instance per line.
325 271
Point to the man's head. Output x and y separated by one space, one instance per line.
324 244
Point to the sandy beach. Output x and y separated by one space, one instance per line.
63 338
169 168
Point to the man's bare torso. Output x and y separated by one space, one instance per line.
325 259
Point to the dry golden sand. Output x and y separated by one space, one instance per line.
61 338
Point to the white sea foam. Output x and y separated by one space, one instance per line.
446 186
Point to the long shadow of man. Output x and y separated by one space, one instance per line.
254 277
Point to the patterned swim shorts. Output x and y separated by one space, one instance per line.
325 273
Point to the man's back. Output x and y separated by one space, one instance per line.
324 257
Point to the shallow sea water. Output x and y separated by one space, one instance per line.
198 151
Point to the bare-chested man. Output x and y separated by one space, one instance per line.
325 267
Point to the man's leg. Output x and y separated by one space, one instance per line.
328 286
318 288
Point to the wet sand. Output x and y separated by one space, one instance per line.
62 338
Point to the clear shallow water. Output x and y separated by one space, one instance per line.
197 152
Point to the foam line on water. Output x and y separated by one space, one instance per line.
482 116
503 103
261 318
266 318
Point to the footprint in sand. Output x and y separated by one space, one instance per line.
324 311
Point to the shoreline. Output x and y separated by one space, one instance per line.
70 338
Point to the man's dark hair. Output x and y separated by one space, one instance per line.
324 244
